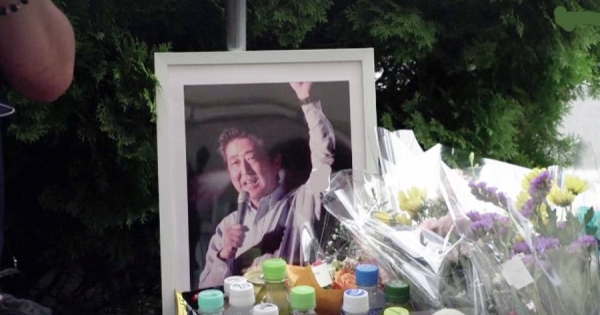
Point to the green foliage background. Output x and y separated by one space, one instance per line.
493 77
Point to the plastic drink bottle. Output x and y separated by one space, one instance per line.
210 302
356 302
448 311
227 284
265 309
232 280
397 293
304 300
367 276
396 311
241 299
275 290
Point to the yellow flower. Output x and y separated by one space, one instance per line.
575 185
403 219
530 177
382 216
412 200
522 198
542 212
560 197
518 239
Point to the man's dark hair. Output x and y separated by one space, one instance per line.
231 134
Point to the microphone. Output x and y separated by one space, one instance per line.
241 210
242 205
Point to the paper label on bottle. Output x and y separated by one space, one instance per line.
515 273
322 275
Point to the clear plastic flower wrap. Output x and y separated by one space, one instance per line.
359 201
475 234
533 246
401 220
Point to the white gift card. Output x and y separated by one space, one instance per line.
322 274
515 273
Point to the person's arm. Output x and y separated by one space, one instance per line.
306 205
215 269
320 131
37 50
321 136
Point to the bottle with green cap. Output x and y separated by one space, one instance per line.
304 300
396 311
397 293
275 290
210 302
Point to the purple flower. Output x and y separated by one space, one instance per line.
502 220
474 216
527 259
583 241
481 225
502 230
540 186
491 190
485 223
545 243
527 209
521 247
501 198
587 240
561 225
504 223
489 216
482 185
482 192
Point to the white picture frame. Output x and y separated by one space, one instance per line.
174 71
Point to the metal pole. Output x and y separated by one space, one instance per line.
236 25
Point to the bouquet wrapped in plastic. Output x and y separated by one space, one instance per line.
401 221
478 235
534 253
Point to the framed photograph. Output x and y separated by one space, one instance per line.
246 143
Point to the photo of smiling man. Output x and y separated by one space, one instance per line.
263 226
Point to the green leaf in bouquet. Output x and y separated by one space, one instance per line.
550 228
564 237
589 215
571 230
591 230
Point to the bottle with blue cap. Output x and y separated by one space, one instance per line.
210 302
367 276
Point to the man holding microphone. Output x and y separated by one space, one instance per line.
269 219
